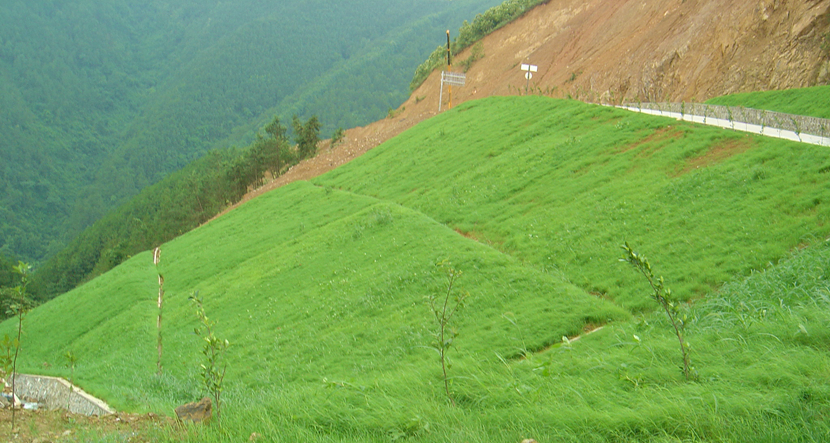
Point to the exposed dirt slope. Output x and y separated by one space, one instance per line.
671 50
615 50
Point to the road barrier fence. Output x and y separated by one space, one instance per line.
799 128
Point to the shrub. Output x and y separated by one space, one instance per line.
663 296
213 348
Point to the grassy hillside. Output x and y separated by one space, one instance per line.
100 99
321 290
805 101
309 284
560 185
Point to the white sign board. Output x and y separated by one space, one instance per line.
529 68
453 78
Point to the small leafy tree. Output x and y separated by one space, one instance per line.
277 146
338 137
444 310
797 127
663 296
476 54
19 308
212 348
71 359
306 135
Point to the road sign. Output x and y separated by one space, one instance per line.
454 78
529 69
451 79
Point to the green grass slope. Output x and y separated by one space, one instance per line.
309 285
321 290
805 101
560 185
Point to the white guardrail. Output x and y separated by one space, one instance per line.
797 128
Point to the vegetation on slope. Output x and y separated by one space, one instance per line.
177 204
560 184
804 101
101 99
321 292
315 289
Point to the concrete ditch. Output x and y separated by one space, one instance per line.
57 393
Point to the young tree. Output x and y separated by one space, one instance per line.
337 137
19 307
444 310
307 136
71 360
663 296
213 348
276 147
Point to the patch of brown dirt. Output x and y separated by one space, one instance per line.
588 329
659 135
717 154
470 235
61 426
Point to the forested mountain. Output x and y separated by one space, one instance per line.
99 99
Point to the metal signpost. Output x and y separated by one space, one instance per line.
449 77
529 70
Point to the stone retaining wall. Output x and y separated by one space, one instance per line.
54 393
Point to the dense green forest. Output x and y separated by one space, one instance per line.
100 99
178 203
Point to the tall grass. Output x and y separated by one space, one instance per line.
321 290
560 185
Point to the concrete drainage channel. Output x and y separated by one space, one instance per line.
38 391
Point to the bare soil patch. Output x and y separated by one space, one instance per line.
717 154
59 426
659 135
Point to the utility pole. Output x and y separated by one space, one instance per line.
449 63
450 78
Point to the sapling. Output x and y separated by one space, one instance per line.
71 359
663 296
797 127
212 348
444 310
337 137
18 309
